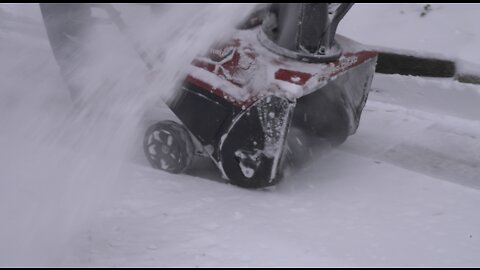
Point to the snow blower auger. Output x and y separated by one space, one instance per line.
284 66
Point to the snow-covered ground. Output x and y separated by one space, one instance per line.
445 29
403 191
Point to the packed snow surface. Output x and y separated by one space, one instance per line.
75 189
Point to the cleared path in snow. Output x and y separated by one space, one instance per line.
378 200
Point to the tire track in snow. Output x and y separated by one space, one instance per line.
443 147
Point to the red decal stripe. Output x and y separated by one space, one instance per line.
292 76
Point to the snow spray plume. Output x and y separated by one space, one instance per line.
60 162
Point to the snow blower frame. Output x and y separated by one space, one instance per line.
239 100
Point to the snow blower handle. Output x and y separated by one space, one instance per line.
124 29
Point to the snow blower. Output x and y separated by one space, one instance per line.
285 66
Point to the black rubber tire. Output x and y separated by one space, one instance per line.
168 146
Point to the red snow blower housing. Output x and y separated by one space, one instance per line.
240 100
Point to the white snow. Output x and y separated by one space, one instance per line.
75 189
448 29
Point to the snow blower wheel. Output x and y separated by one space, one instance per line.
168 146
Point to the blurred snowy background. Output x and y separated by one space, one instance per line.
74 191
